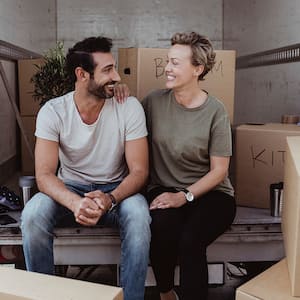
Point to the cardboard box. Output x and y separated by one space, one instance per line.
291 212
27 162
273 284
18 284
142 69
26 69
259 161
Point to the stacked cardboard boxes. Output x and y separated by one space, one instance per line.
291 212
142 69
28 110
259 158
22 285
281 282
273 284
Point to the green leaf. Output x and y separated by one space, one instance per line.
51 80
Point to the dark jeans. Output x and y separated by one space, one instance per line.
181 236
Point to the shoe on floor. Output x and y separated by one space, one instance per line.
9 200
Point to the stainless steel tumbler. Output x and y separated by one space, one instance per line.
276 199
26 183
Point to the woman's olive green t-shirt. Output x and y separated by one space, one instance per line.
182 140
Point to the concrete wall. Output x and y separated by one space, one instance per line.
35 25
29 24
263 94
138 23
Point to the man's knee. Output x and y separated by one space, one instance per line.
135 221
135 208
37 212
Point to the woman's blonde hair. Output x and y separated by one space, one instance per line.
202 49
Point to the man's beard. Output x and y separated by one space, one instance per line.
99 90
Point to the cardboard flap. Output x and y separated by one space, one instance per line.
21 285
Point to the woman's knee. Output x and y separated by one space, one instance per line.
166 222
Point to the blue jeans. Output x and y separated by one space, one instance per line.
41 214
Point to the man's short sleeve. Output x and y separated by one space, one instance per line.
135 120
47 124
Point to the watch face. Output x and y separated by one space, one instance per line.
189 196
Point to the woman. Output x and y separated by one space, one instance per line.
191 198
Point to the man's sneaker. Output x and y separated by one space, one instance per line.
3 209
9 200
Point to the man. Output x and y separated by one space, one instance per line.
102 149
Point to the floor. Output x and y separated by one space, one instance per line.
234 278
235 275
106 275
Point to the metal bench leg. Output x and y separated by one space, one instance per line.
26 183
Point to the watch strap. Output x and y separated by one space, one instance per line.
188 194
113 201
182 190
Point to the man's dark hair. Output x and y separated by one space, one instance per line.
81 54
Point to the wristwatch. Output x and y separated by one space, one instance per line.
113 201
188 195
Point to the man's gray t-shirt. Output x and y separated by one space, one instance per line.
91 153
183 139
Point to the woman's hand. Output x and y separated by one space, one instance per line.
168 200
121 92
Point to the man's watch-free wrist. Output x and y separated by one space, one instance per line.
189 196
113 201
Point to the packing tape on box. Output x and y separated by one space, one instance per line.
290 119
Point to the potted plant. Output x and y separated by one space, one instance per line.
51 79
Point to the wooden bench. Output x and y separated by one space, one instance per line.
254 236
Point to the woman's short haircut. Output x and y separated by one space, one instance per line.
81 54
202 49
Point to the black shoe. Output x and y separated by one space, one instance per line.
9 200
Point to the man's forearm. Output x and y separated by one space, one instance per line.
52 186
132 184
